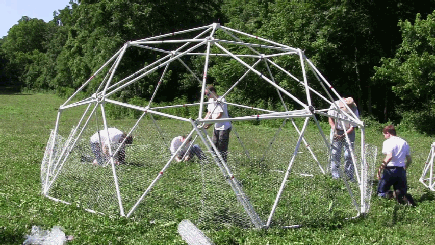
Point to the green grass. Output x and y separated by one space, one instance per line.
26 120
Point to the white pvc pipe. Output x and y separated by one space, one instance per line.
364 173
144 69
80 103
260 38
240 195
155 68
287 173
352 155
308 147
296 79
176 106
158 84
144 109
204 81
118 60
115 177
240 79
208 27
92 77
159 175
265 78
304 75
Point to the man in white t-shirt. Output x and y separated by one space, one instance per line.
101 141
392 171
217 109
187 152
338 137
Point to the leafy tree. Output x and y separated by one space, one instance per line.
411 72
334 34
97 29
26 36
345 39
23 39
4 74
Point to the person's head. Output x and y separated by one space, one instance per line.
388 131
349 102
210 90
184 138
128 139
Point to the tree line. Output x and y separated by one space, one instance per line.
379 52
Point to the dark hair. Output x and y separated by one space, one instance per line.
211 88
389 129
128 139
185 137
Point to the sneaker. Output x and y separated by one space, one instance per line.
409 200
398 196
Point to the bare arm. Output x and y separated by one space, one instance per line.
388 158
209 115
331 122
350 130
206 126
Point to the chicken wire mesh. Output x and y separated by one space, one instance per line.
310 195
199 190
266 180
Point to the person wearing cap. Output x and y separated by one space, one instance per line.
339 129
392 171
217 109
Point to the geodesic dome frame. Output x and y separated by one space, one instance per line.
259 50
427 177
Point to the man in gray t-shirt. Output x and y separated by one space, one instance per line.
217 108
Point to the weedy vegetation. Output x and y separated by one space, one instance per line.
26 121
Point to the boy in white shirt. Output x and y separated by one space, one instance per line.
101 141
185 154
392 171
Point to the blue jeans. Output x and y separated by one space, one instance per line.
103 158
194 150
336 148
395 177
96 149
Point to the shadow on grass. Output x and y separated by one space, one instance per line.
135 164
428 195
332 223
10 237
396 217
11 90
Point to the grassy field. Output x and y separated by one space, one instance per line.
25 124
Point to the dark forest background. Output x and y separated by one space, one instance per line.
382 53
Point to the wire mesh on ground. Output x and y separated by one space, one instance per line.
427 176
258 157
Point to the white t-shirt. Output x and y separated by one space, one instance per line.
333 112
176 143
215 108
116 136
399 149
